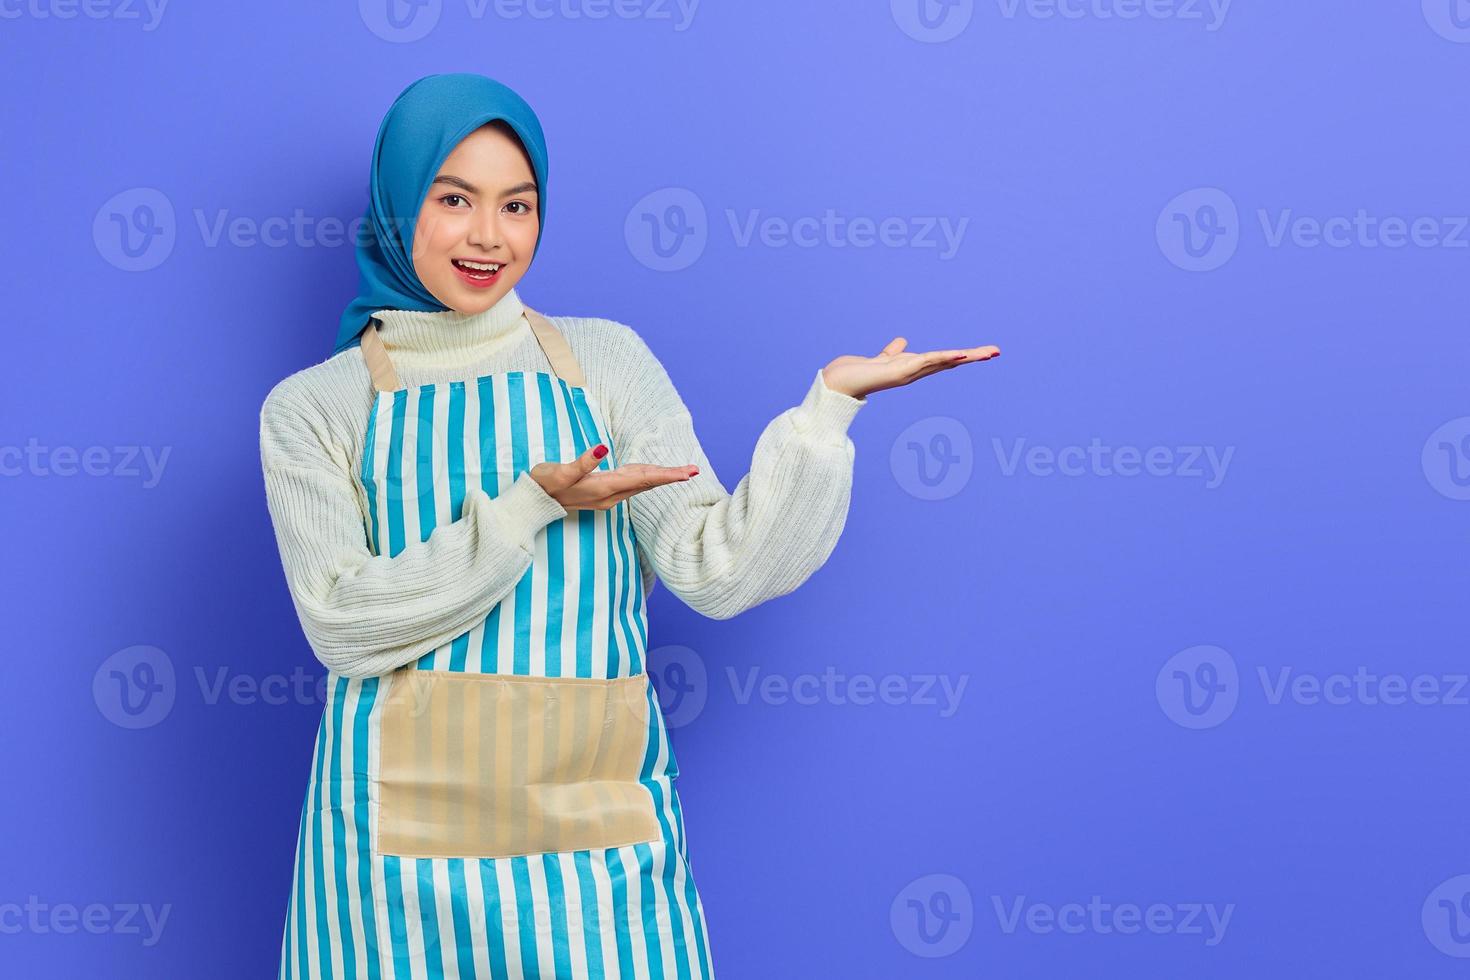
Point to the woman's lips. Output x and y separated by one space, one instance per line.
479 278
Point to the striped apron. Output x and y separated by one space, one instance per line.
504 806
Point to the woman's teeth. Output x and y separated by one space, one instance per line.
478 270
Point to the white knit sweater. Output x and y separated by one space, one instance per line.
721 553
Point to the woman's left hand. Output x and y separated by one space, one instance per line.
893 366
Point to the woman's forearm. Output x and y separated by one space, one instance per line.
367 614
725 552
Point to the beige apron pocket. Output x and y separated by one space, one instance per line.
500 765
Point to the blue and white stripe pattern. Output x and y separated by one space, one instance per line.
623 912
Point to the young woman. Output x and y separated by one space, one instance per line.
471 502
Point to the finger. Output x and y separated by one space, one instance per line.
591 459
952 358
894 346
644 476
625 481
637 477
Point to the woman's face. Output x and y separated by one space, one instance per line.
481 208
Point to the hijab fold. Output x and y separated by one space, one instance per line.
422 127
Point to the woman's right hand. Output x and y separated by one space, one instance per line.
580 485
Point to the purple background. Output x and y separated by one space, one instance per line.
1335 540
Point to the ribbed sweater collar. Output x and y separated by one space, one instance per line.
424 342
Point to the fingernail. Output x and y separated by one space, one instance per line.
600 451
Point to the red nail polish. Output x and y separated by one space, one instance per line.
600 451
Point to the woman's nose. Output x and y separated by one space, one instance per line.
485 230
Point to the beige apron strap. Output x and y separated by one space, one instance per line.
556 349
385 377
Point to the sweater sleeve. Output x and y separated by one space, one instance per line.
722 553
367 614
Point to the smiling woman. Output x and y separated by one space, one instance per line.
472 501
473 242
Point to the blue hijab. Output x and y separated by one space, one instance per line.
422 127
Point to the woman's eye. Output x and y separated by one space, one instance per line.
520 204
447 197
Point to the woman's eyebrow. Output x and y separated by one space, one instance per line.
529 185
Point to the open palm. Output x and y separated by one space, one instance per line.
893 367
